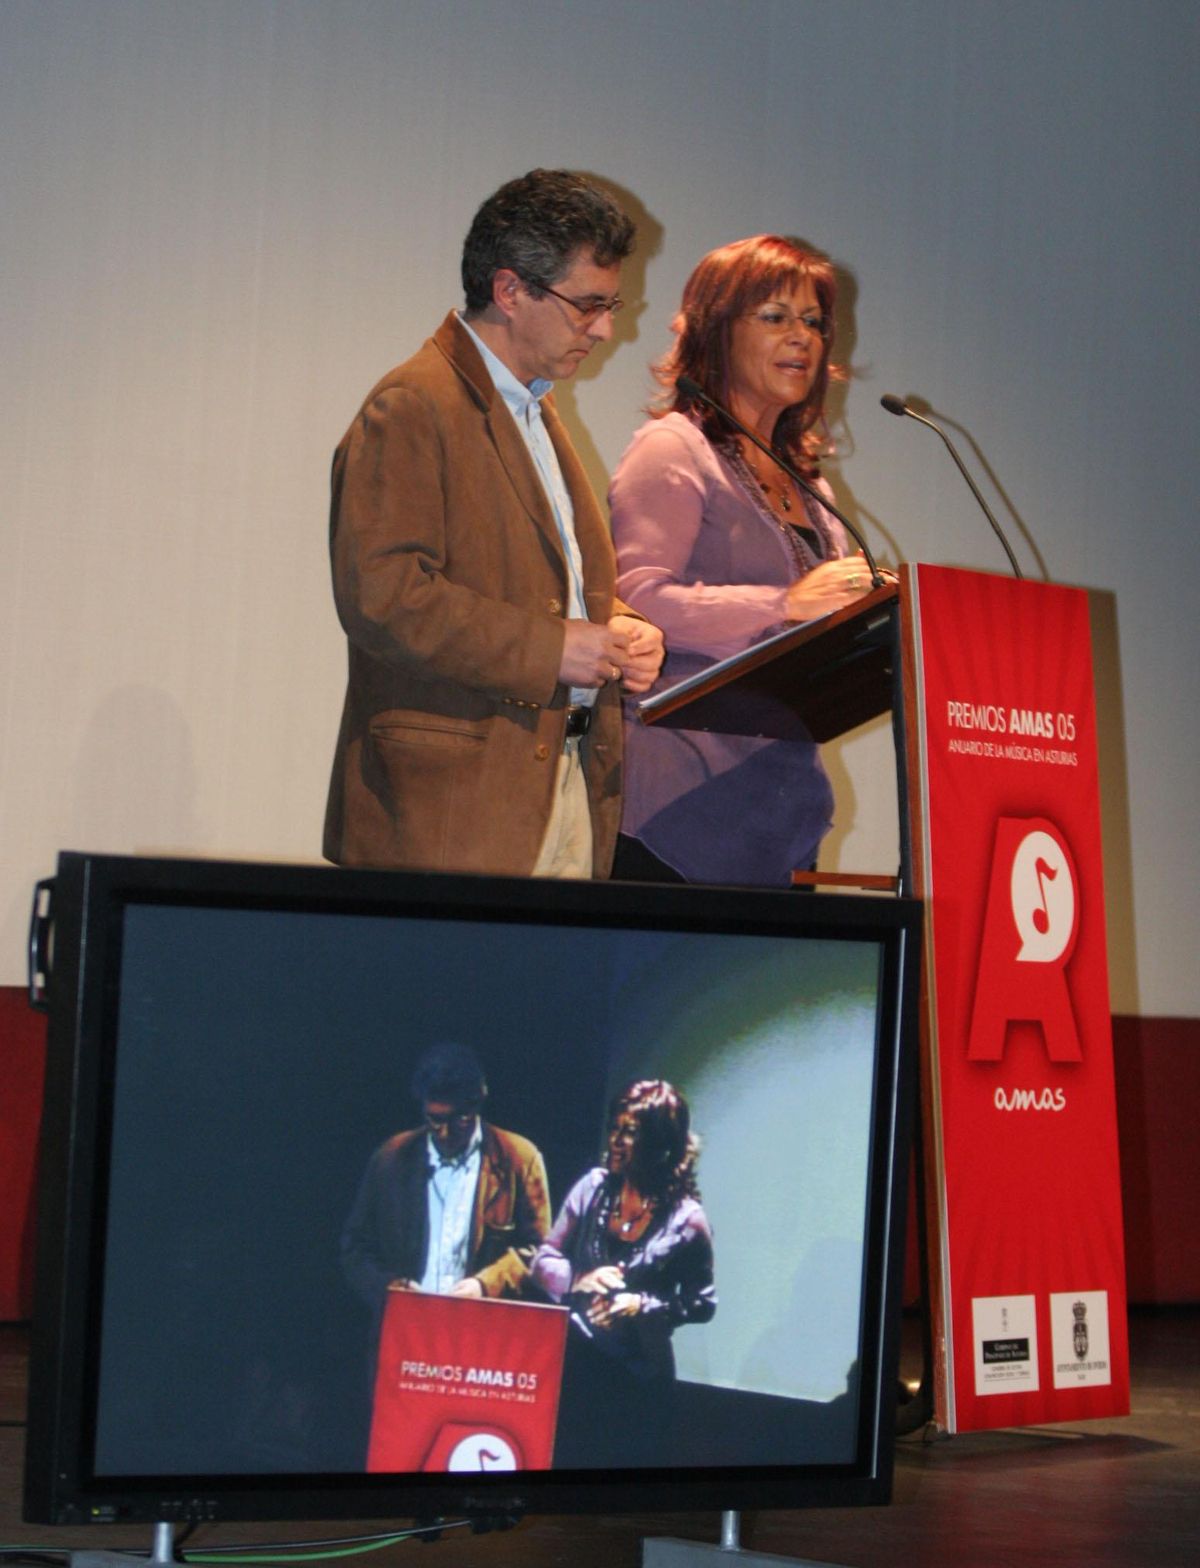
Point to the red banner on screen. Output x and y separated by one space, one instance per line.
466 1385
1033 1268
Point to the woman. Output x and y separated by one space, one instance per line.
720 548
631 1254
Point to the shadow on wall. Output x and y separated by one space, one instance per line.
877 850
135 778
626 332
1114 804
885 545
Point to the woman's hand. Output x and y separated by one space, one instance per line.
605 1280
830 586
604 1310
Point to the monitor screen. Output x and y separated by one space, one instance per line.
368 1195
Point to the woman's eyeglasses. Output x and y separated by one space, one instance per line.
780 318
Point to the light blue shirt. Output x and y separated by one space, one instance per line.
524 404
450 1202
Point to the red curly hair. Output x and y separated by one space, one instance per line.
728 283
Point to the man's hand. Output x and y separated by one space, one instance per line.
625 650
644 653
403 1284
593 654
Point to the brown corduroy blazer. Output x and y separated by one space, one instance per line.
451 585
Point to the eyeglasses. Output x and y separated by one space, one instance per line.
589 310
459 1121
780 318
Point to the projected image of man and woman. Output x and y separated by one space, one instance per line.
698 1132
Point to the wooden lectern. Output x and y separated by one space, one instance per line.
815 681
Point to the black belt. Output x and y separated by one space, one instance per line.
579 720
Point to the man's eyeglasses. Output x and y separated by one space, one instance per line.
589 309
780 318
460 1121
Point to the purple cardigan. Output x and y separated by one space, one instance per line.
698 556
670 1266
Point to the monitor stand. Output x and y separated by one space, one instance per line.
666 1552
659 1552
162 1554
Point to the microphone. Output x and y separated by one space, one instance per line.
693 389
897 405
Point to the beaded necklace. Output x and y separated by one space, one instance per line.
802 551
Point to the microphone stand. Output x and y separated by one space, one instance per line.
900 408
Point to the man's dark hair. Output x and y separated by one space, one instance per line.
450 1072
536 226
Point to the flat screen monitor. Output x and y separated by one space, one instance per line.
292 1265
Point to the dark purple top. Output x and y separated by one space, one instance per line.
700 554
670 1266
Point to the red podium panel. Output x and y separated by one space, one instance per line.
1030 1299
464 1384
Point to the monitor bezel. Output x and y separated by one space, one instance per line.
89 896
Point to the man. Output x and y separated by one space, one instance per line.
473 571
455 1206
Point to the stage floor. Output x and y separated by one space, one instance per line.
1100 1494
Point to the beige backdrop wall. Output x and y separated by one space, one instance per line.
223 219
